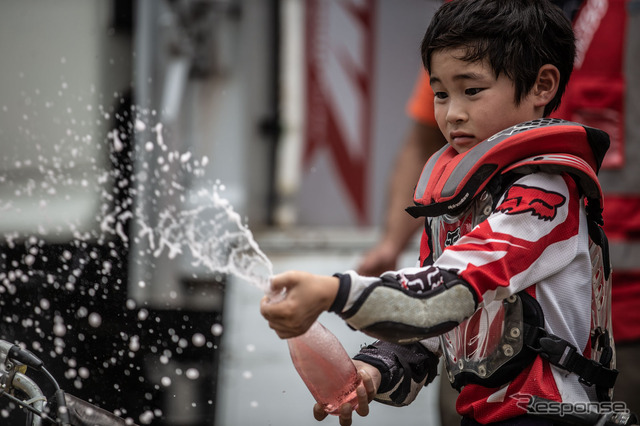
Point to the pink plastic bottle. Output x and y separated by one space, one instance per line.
325 367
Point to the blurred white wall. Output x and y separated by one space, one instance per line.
53 101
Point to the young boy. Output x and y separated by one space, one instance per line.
513 284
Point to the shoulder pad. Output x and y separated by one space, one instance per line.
450 181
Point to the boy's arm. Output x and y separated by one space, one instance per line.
402 307
417 303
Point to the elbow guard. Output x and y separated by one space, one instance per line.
390 310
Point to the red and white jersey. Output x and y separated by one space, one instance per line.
504 218
536 240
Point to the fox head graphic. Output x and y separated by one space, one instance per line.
452 237
537 201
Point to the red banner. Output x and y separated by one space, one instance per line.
339 65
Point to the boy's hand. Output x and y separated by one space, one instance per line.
366 392
307 296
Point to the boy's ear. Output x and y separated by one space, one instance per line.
546 85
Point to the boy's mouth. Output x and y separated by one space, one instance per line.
462 141
461 138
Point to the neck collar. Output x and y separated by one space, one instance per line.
450 181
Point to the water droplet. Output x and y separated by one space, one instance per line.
134 344
59 329
198 340
146 417
143 314
192 373
83 372
95 320
216 329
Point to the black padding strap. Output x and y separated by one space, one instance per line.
343 293
402 364
564 355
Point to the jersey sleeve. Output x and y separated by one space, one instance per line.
533 233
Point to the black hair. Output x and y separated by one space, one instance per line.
517 37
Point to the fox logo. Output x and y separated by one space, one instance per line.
540 203
452 237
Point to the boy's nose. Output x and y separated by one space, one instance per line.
456 112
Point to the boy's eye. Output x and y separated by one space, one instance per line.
473 91
440 95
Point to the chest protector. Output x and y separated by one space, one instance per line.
458 191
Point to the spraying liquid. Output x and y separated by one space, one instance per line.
215 237
218 240
225 244
203 226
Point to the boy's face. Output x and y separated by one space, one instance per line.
470 103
